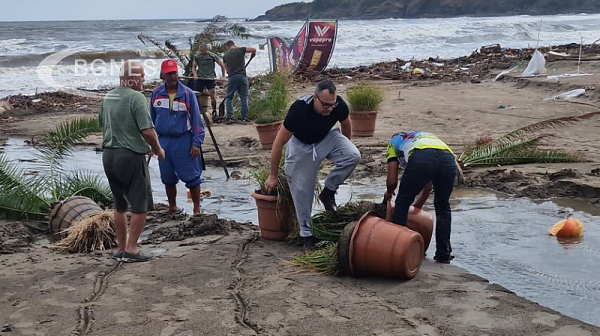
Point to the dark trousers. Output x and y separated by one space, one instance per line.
424 166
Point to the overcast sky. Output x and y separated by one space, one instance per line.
42 10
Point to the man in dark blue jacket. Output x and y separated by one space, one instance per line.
176 115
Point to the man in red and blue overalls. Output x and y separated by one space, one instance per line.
176 115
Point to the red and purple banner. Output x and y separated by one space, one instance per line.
309 52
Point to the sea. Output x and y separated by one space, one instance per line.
53 55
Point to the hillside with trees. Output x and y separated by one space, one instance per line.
385 9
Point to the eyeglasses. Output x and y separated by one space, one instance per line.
326 105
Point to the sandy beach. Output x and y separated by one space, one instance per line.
234 283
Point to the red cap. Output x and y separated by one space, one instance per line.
168 66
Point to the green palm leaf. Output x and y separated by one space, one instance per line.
61 142
504 149
19 207
545 124
14 185
533 156
84 183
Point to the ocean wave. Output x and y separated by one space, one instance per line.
11 44
82 56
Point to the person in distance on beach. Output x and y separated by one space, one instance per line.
307 131
203 68
176 115
127 136
237 80
428 163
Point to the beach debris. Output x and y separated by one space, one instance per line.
5 106
6 328
503 73
417 71
567 228
95 233
492 48
567 95
406 66
536 66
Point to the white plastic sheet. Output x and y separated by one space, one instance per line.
536 66
568 95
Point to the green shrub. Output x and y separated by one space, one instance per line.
269 99
363 97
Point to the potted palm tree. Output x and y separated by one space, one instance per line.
364 101
268 107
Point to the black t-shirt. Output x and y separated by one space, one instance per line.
309 126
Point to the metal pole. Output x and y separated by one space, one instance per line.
214 140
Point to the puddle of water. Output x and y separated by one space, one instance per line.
502 239
506 241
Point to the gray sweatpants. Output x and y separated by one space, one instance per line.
302 164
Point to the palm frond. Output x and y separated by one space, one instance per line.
61 141
183 59
503 149
161 46
84 183
14 185
533 156
536 127
19 206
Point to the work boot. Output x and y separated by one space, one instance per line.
308 243
327 197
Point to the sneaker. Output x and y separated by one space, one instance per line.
228 121
246 120
308 243
117 255
327 197
139 257
443 260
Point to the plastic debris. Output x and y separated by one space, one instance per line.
568 95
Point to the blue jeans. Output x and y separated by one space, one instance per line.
239 83
424 166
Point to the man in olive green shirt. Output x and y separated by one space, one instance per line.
203 69
127 136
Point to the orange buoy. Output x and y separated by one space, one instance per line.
567 228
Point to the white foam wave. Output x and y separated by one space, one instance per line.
11 44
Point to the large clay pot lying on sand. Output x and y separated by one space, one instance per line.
419 220
373 246
274 219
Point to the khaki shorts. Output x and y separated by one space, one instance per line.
129 179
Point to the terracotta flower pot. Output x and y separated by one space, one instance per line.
274 219
363 123
419 220
267 133
380 248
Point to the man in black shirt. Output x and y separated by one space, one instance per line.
307 131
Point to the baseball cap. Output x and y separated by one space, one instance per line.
168 66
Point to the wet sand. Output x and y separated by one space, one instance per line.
240 284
